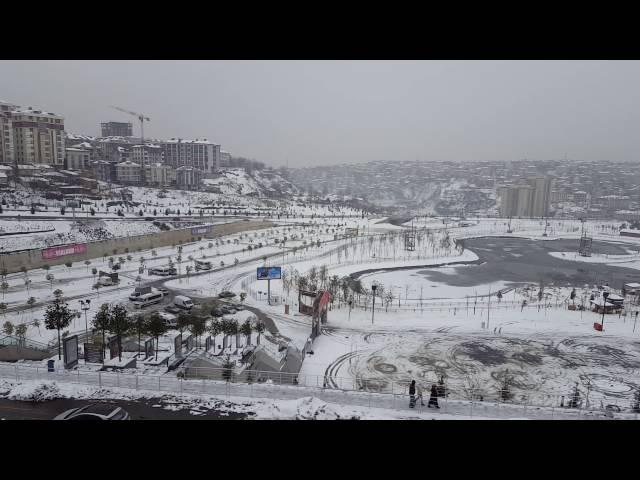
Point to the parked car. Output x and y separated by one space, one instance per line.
164 291
149 218
225 310
226 294
169 319
172 309
95 411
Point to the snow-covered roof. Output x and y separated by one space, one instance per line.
73 149
3 175
127 163
188 168
180 140
71 136
31 111
148 145
632 285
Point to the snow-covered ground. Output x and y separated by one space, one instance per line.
426 330
307 404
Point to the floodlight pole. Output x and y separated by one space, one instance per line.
604 306
373 309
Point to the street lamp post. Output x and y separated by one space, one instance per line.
605 295
85 305
373 309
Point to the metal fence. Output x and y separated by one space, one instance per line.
283 386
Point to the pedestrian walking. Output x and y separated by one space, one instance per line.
433 399
419 395
500 331
412 394
494 329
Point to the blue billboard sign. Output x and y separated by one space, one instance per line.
201 230
269 273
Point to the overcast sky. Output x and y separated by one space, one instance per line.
325 112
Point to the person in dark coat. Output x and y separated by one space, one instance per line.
412 394
433 399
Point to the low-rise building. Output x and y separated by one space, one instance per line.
77 158
189 178
128 172
159 174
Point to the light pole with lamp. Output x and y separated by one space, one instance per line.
85 305
605 295
373 310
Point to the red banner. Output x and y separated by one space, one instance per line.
56 252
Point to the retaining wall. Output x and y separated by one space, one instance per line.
33 258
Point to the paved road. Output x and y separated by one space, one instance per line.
141 410
528 261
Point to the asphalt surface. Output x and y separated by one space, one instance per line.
522 261
139 410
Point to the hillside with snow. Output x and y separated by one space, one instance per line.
258 183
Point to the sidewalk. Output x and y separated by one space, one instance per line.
460 409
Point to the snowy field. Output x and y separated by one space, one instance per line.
478 337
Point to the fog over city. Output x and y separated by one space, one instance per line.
310 113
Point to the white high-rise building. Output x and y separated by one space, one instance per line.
30 136
530 199
200 154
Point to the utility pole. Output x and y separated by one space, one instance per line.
373 310
489 308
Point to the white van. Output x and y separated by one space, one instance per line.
162 271
148 299
139 291
203 265
183 302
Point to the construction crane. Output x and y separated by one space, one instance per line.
142 119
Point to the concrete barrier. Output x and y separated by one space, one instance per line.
31 259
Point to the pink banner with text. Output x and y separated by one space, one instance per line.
56 252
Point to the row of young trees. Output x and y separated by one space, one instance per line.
115 320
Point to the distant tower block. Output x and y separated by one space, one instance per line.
585 246
410 239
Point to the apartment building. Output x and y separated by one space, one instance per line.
188 178
116 129
77 158
6 133
31 136
128 172
146 154
159 174
200 154
528 199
